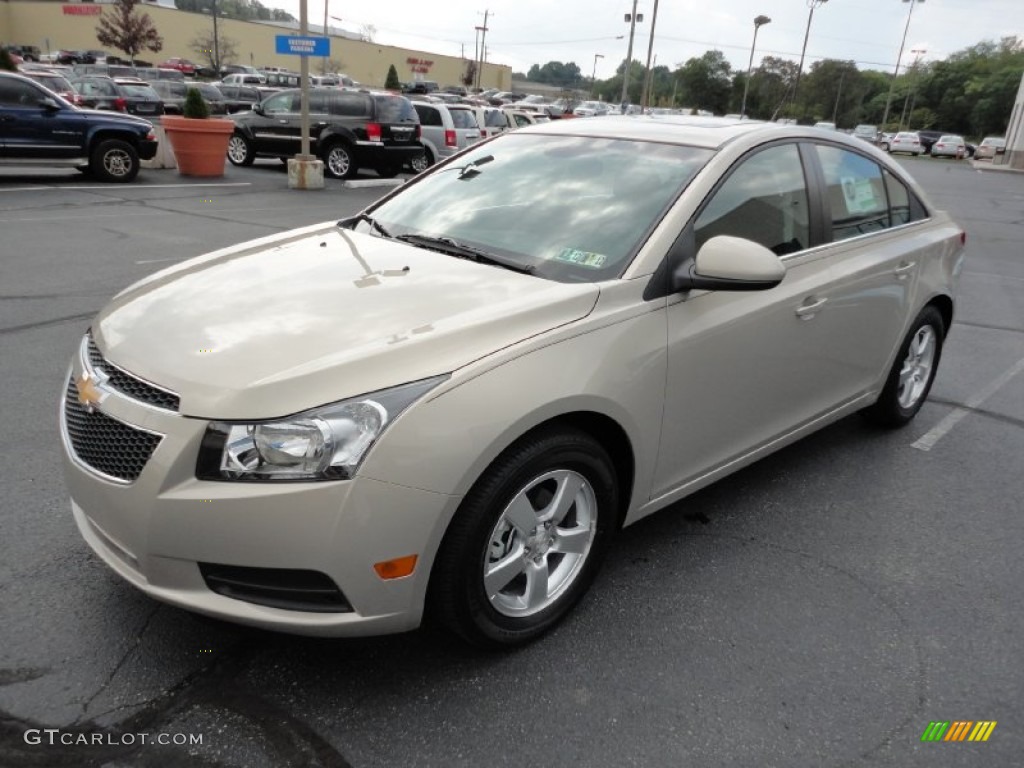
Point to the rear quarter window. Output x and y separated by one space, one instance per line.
463 118
395 109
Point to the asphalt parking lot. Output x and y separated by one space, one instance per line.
820 608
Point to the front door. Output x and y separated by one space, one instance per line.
747 367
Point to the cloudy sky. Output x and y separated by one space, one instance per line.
526 32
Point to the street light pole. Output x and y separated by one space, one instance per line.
759 22
593 74
892 84
812 4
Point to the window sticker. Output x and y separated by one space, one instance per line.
583 258
860 195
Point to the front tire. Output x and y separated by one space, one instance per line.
114 160
338 161
240 151
527 540
912 373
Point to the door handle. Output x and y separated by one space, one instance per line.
904 269
809 309
6 118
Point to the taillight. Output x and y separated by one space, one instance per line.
120 104
450 140
373 132
963 238
483 133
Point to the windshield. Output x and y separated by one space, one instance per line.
138 89
576 209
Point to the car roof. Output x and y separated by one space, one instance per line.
690 130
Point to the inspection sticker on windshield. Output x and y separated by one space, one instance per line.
583 258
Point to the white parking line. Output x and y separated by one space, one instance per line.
936 433
72 187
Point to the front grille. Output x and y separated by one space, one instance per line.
286 588
129 385
107 445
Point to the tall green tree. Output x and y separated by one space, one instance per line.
391 82
125 30
706 83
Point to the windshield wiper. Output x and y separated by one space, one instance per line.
374 224
470 169
454 248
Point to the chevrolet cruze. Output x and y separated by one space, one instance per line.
445 406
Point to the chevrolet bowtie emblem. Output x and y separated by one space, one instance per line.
89 394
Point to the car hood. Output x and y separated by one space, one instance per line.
287 323
108 116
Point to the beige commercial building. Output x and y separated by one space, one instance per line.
56 25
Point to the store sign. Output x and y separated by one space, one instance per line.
82 10
419 65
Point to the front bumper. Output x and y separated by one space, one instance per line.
147 149
155 531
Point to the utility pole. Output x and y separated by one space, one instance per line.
896 72
483 43
647 73
629 53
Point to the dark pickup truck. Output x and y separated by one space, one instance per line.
39 128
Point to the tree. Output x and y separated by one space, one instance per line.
706 83
392 83
128 31
469 74
556 73
225 50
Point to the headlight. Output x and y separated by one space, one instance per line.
326 443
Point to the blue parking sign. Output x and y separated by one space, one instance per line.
303 46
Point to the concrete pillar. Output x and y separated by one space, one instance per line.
305 172
164 157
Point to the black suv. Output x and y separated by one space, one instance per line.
37 127
348 130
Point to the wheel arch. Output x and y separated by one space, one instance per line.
944 304
103 134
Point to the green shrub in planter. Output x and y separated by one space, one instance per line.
195 107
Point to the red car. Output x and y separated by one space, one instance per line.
184 66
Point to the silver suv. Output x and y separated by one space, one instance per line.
445 129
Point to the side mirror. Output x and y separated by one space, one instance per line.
727 263
49 104
257 108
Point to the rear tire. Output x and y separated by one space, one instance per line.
338 161
114 160
420 163
527 540
913 371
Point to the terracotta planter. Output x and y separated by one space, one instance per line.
200 146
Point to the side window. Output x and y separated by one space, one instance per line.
855 192
13 92
317 102
764 200
278 104
903 206
521 121
428 115
348 105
